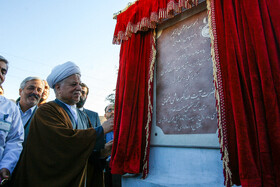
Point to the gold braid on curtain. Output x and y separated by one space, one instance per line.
218 92
150 101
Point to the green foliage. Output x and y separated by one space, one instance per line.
111 98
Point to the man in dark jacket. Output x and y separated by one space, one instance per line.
97 160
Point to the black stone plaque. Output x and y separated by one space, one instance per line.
185 102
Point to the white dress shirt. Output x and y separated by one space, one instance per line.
11 134
73 110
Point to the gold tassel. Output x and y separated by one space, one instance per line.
150 101
225 156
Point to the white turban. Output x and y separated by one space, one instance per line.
61 72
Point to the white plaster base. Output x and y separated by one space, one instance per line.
179 167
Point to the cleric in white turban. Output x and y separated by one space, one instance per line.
61 72
61 138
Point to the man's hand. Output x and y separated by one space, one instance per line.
5 175
108 125
107 149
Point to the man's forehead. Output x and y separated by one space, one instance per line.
73 78
34 82
110 107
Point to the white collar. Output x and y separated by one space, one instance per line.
73 109
81 109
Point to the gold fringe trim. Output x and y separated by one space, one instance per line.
172 8
150 106
219 101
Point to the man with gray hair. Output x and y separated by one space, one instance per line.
30 91
61 138
11 131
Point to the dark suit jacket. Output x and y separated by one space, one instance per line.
96 165
93 117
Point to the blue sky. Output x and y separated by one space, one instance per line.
37 35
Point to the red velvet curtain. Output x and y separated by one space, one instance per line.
247 65
134 91
133 105
144 14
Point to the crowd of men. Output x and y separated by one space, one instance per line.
55 143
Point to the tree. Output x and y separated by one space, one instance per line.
111 98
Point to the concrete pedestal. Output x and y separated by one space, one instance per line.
180 167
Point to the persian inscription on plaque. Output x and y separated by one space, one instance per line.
185 101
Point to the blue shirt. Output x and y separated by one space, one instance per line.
25 116
11 134
108 137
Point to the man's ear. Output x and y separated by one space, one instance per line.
57 86
57 89
19 91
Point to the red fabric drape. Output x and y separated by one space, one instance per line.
133 105
247 52
246 43
144 14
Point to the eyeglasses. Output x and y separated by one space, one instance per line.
110 110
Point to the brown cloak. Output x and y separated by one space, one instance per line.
55 153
